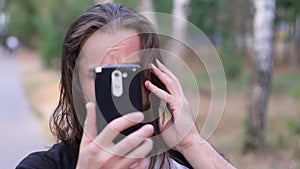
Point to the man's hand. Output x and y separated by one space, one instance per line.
99 151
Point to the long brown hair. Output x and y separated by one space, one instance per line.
64 122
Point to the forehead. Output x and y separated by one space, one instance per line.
115 45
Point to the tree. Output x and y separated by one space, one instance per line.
147 6
52 21
226 23
262 73
43 24
21 20
180 10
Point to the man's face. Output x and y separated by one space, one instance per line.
106 49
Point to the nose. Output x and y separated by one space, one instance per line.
110 60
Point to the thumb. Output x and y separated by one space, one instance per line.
89 129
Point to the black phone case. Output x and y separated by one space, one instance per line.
110 106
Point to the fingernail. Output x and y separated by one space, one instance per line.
137 117
149 128
152 65
157 61
148 84
89 104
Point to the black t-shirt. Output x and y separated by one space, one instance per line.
65 156
60 156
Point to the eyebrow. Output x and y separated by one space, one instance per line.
137 62
91 70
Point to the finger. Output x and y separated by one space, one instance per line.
166 79
157 91
89 129
137 155
133 140
141 151
164 127
164 69
161 75
116 126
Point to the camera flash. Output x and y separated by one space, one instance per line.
124 74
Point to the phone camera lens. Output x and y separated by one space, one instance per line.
117 74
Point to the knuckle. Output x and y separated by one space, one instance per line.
169 99
113 125
168 80
129 142
176 79
104 160
149 144
93 149
131 146
133 142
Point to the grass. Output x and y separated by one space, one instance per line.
282 138
282 83
287 82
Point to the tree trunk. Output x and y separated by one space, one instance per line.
147 6
263 65
180 9
176 45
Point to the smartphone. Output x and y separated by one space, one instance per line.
118 90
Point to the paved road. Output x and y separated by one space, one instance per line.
20 130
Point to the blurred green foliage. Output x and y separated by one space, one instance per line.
294 127
215 19
22 20
164 6
134 4
295 91
288 9
205 14
231 61
43 24
208 15
282 83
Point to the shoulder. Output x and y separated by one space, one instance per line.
60 156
